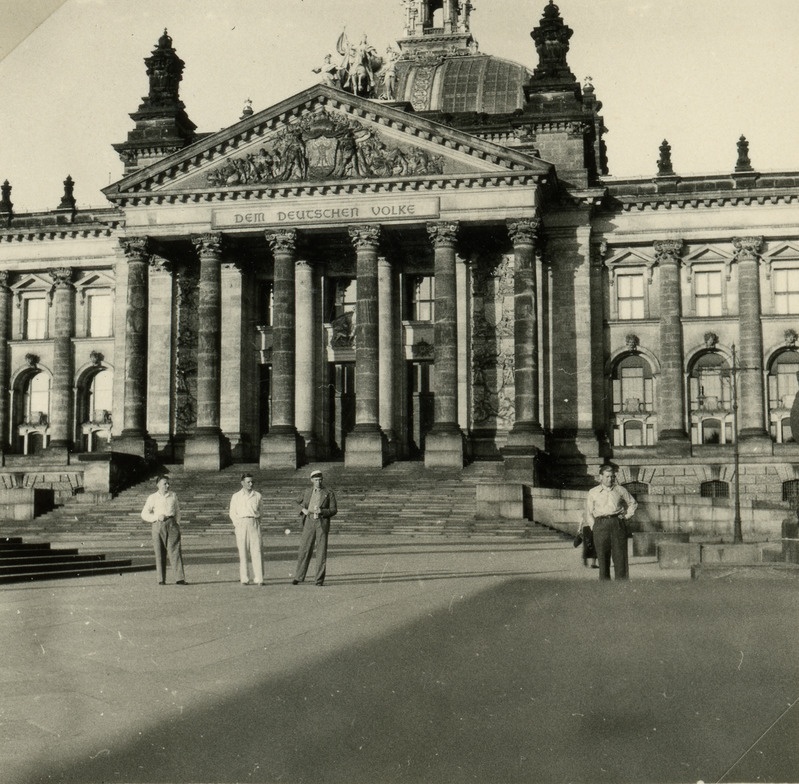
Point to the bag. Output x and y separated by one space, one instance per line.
578 540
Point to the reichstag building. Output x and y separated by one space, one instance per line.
422 257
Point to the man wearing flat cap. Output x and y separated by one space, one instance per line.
317 506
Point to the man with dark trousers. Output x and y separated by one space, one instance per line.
317 506
606 508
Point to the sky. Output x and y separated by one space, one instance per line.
699 73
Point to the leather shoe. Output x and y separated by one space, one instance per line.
295 582
181 582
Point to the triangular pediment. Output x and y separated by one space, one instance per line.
708 254
323 137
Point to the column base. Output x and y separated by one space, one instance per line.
365 448
280 448
135 443
525 438
206 451
444 448
755 441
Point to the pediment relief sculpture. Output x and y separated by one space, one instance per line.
324 146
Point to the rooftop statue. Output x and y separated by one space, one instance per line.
360 65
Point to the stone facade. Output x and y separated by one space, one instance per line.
387 276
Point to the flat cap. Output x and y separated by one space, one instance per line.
315 473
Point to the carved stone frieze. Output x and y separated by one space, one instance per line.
283 241
667 250
747 247
323 146
493 391
342 333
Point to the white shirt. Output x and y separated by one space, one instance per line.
245 504
157 505
606 501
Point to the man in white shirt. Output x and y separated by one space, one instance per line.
163 511
245 512
606 508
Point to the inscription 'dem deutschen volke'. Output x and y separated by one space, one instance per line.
341 212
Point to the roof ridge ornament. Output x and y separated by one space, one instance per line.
551 39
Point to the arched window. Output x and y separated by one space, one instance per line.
36 405
95 398
710 391
633 402
32 411
782 388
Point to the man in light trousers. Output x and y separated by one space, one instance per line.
245 513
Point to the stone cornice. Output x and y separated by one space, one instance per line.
438 182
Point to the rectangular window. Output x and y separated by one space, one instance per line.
707 293
786 290
423 299
630 296
35 318
99 311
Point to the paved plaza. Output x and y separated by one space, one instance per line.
438 660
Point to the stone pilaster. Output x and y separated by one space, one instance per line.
134 439
5 336
160 354
365 445
385 308
444 445
750 338
280 447
305 374
671 389
527 434
206 449
61 395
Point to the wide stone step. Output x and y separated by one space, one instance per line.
119 566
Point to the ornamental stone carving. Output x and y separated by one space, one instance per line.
523 231
96 358
32 360
790 336
4 276
667 250
443 234
208 245
632 341
61 277
323 146
711 340
422 350
365 236
283 241
342 331
747 247
135 248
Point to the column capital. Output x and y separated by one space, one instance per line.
747 247
4 276
523 231
208 245
282 241
61 277
668 250
135 248
443 234
160 264
365 236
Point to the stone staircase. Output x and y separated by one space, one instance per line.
28 561
403 498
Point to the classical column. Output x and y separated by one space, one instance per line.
280 447
5 336
365 445
527 434
205 449
61 396
305 374
750 340
444 443
671 394
133 439
385 308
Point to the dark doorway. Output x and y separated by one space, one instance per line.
264 398
342 404
420 406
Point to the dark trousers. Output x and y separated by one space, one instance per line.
313 532
610 540
166 542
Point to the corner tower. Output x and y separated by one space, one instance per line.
162 125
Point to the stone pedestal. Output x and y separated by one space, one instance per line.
206 451
444 449
135 444
365 447
281 447
501 500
